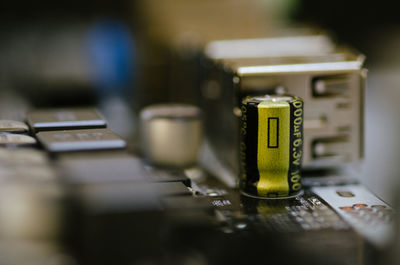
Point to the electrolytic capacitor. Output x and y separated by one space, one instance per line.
171 134
271 146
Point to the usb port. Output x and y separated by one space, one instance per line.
329 86
329 147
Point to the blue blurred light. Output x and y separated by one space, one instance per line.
112 57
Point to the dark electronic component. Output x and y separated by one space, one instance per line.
59 119
80 140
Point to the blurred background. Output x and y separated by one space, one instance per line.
117 55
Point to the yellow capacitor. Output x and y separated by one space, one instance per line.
271 146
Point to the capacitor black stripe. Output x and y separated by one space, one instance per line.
250 139
291 146
296 134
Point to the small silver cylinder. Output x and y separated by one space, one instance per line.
171 134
